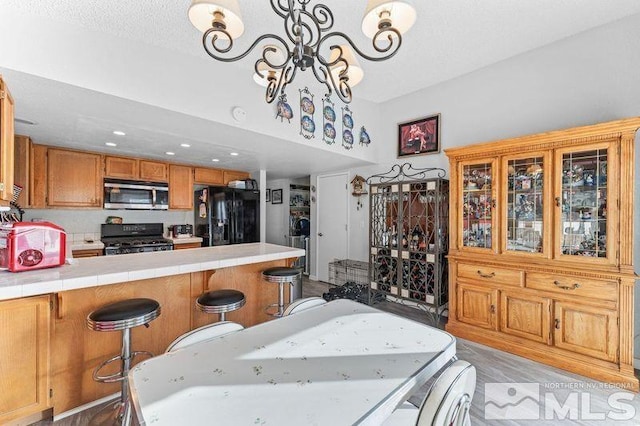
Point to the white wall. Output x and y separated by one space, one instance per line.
88 221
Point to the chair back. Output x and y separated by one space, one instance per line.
449 399
302 304
207 332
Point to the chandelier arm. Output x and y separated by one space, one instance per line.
307 22
387 52
323 16
280 9
277 85
341 88
215 54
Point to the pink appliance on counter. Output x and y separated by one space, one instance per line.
31 245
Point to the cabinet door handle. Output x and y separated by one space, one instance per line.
59 307
556 323
566 287
492 309
491 275
493 203
558 201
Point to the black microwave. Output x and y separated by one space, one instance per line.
135 195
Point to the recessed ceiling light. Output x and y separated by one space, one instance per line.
111 144
170 153
215 160
185 145
234 154
119 132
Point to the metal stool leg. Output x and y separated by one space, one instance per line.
223 316
119 413
280 299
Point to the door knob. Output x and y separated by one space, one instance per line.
319 234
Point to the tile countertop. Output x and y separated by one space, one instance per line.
103 270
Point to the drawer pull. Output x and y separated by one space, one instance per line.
491 275
556 323
566 287
492 309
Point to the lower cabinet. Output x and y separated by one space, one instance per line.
570 321
78 350
25 326
477 305
588 330
525 316
186 246
87 253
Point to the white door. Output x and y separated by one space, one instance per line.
331 222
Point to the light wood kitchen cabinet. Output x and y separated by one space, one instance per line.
208 176
186 246
25 326
230 175
6 144
134 168
544 225
38 177
74 178
22 167
180 187
78 350
87 253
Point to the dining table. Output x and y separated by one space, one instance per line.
340 363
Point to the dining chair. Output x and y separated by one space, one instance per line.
207 332
447 402
302 304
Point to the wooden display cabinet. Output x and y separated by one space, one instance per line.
538 265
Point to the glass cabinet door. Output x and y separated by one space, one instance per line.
478 203
582 204
384 236
525 227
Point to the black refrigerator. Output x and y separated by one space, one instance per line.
227 216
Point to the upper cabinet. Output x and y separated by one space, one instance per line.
74 178
133 168
180 187
230 175
208 176
549 203
6 144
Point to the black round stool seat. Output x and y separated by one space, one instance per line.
124 314
281 274
221 301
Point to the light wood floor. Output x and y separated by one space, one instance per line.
495 366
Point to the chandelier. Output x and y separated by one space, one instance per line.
308 41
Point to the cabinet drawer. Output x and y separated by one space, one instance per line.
585 287
490 274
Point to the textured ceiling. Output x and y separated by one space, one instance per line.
450 38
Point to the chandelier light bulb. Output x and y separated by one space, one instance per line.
384 14
224 14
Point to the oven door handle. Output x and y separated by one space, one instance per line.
153 197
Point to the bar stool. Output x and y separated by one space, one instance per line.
120 316
221 302
281 275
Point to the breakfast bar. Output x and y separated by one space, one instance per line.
47 353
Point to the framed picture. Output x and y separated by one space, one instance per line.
268 195
276 196
419 137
